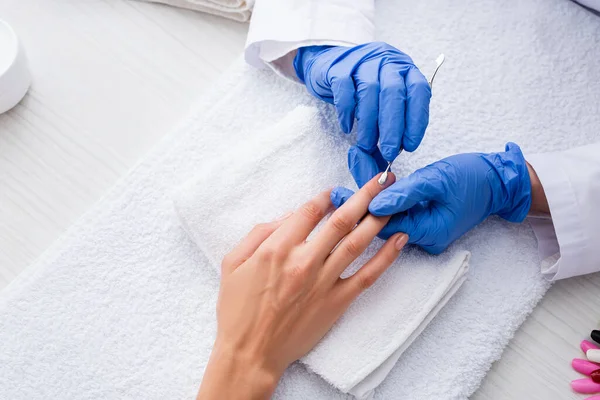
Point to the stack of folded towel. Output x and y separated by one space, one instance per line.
277 171
238 10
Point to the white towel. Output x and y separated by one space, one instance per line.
238 10
277 171
121 307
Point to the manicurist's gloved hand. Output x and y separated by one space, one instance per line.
439 203
376 83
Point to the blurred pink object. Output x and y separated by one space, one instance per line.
586 345
584 366
585 386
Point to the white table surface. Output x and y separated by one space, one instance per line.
110 78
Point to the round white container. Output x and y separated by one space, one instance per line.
15 78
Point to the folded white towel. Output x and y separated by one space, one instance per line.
278 170
238 10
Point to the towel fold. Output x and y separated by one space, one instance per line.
278 170
238 10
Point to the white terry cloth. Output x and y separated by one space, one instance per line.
280 169
238 10
122 307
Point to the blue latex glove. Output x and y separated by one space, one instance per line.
375 82
439 203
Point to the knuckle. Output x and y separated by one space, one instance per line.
312 212
268 252
227 261
261 229
364 281
298 272
341 223
352 248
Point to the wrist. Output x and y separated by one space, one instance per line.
232 375
515 187
539 203
304 58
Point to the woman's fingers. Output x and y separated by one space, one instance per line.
299 225
249 244
353 245
345 218
365 277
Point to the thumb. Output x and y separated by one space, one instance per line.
425 184
363 165
418 223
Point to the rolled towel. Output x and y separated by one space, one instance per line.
238 10
278 170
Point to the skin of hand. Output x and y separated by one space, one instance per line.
439 203
280 293
539 202
376 83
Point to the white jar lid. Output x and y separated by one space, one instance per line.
15 78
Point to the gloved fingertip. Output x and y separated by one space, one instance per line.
339 195
385 233
511 146
434 250
346 122
365 147
391 228
378 208
389 153
362 165
354 158
409 144
379 160
345 115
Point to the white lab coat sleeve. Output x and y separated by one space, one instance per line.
568 243
279 27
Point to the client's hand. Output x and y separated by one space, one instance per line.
280 294
437 204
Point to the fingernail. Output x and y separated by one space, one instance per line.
595 336
593 355
401 241
284 216
595 375
586 345
585 386
584 366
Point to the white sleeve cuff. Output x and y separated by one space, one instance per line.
278 28
560 239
